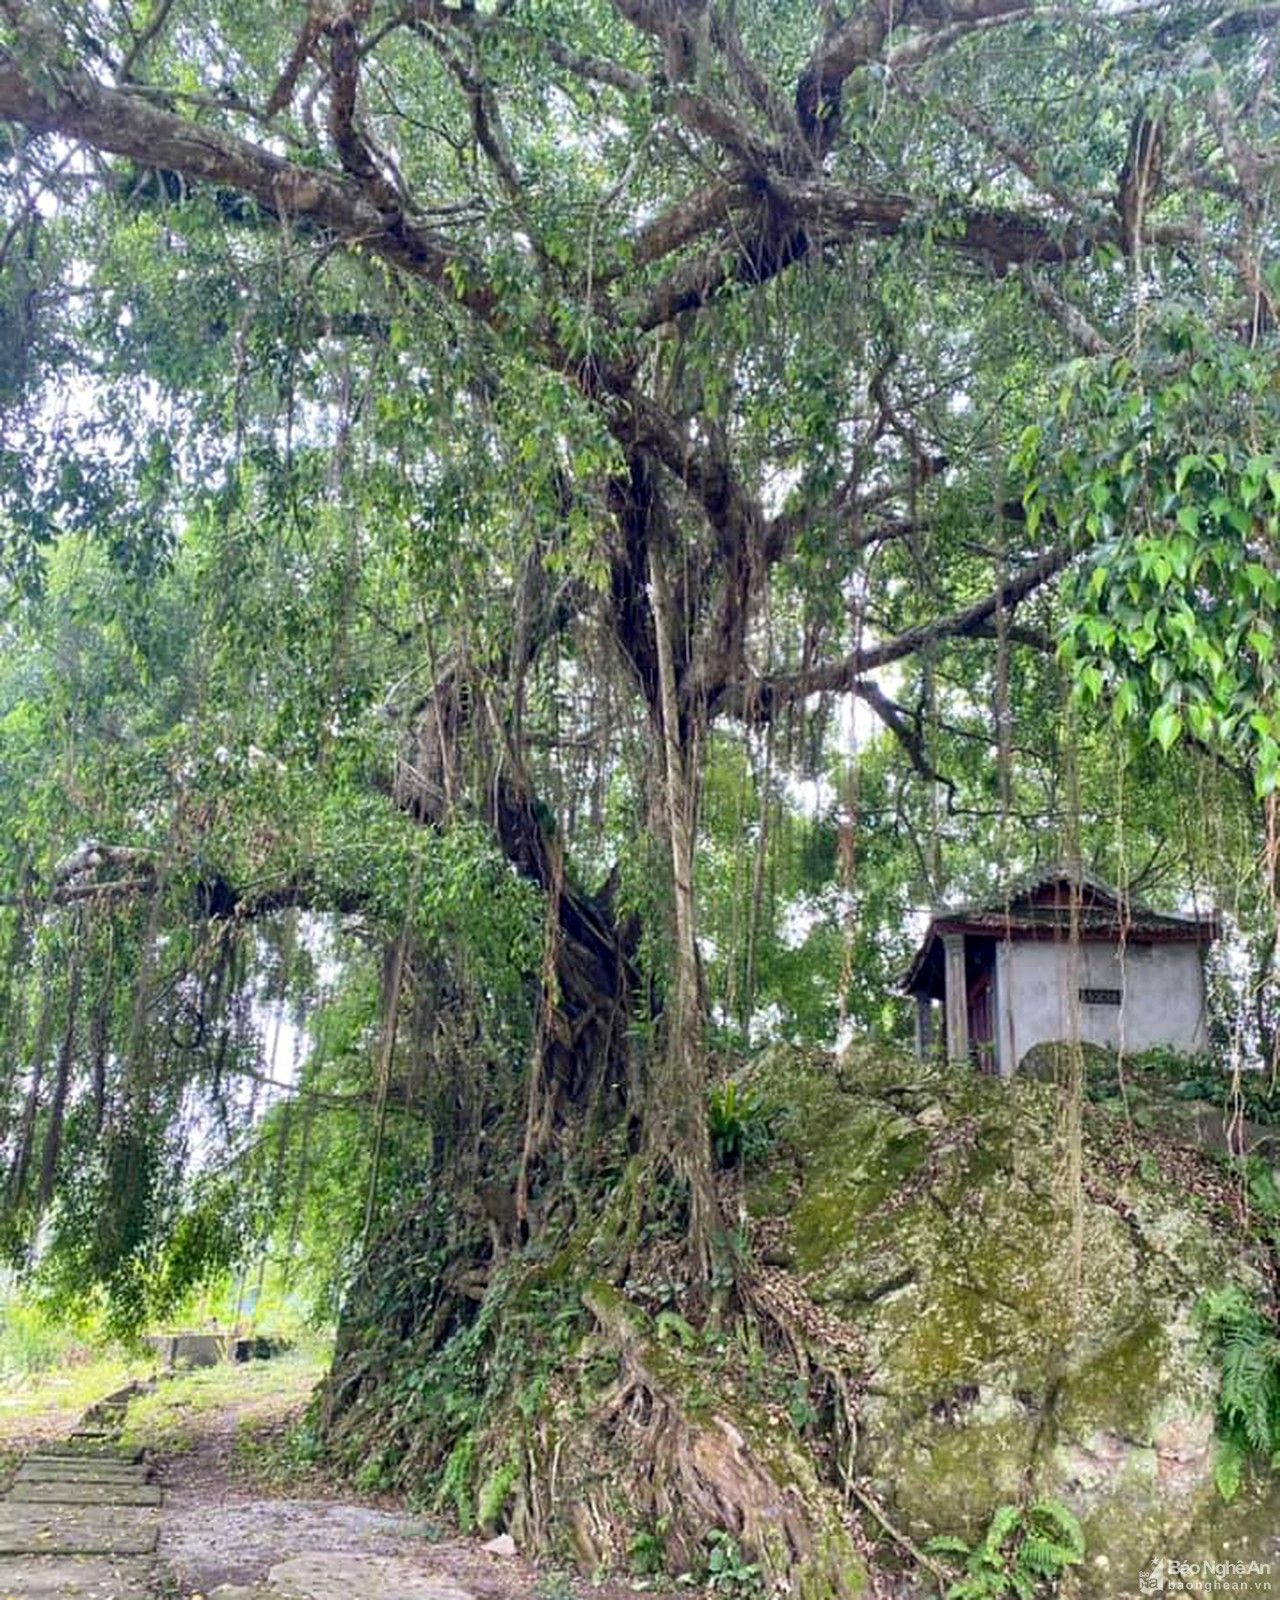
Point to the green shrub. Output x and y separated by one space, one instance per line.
31 1343
1189 1075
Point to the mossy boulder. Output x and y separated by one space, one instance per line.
1025 1331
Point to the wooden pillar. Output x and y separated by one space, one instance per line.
1005 1061
924 1026
957 999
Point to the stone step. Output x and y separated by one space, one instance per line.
120 1398
70 1493
98 1448
73 1578
339 1576
34 1530
81 1469
346 1577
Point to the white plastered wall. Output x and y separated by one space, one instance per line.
1162 987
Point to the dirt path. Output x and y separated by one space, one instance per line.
88 1520
237 1518
241 1521
218 1530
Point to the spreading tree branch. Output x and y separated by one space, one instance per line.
68 100
762 698
859 40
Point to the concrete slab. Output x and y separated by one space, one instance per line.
191 1349
32 1530
334 1576
84 1494
95 1449
69 1471
72 1578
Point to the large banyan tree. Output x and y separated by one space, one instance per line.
428 429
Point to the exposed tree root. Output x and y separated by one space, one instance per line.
694 1466
562 1408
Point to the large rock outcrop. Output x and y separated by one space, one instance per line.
1023 1333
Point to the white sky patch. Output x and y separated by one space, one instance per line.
856 725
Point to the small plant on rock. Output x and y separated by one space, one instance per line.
727 1572
738 1123
1024 1553
800 1407
1247 1347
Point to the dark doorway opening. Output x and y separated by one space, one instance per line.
980 992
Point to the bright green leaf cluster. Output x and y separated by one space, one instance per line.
1167 477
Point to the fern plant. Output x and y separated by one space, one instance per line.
1248 1411
1023 1553
455 1481
496 1492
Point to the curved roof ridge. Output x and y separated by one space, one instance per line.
1027 883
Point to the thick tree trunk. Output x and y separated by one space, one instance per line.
587 1004
677 1120
461 747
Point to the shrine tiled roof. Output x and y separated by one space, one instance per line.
1053 902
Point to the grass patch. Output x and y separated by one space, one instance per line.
249 1409
248 1413
49 1404
50 1372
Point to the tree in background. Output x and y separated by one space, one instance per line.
542 423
